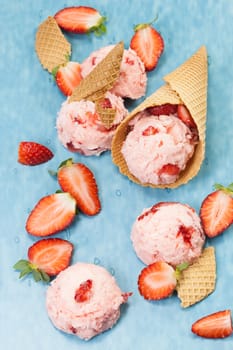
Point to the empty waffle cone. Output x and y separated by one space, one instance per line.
186 85
198 280
51 46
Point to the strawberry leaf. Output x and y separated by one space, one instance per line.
179 268
26 268
228 189
66 162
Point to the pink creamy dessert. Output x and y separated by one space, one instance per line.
80 129
157 148
84 300
132 81
168 231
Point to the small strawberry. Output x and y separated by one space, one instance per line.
67 77
33 153
46 258
158 280
216 325
148 44
81 20
217 210
83 293
165 109
79 181
184 115
51 214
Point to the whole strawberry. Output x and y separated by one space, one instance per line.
33 153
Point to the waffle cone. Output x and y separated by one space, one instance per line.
198 280
101 79
51 46
186 85
107 115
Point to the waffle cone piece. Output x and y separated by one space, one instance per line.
51 46
198 280
186 85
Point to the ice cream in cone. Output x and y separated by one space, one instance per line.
171 159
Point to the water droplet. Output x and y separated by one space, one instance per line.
15 170
206 161
29 283
112 271
67 234
48 142
17 239
40 13
28 210
118 193
96 261
168 190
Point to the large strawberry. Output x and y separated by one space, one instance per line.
148 43
81 20
67 77
216 325
46 258
33 153
79 181
217 210
53 213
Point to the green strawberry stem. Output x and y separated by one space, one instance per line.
227 189
180 268
100 28
27 268
144 25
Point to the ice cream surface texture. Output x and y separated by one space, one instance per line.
84 300
168 231
132 81
80 128
157 148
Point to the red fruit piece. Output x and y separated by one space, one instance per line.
216 212
151 130
81 20
169 169
148 44
157 281
184 115
51 214
105 103
83 293
79 181
68 77
165 109
33 153
216 325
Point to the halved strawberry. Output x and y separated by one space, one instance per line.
79 181
81 20
46 258
216 325
67 77
165 109
148 44
53 213
216 211
157 281
33 153
184 115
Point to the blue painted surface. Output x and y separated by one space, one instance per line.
29 102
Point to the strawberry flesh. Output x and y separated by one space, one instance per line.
150 130
83 293
33 153
157 281
52 255
216 325
216 213
68 77
165 109
79 181
184 115
53 213
169 169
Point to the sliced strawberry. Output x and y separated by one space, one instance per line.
81 20
51 214
216 325
79 181
148 44
165 109
150 130
84 291
157 281
217 212
169 169
68 77
46 258
184 115
33 153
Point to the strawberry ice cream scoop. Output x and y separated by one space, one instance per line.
132 80
169 232
84 300
80 128
157 148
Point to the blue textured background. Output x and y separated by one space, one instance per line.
29 102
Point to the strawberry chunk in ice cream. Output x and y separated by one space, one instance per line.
168 231
132 81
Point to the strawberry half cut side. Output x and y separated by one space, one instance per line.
53 213
67 77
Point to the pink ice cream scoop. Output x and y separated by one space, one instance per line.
168 231
84 300
80 129
132 80
157 148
